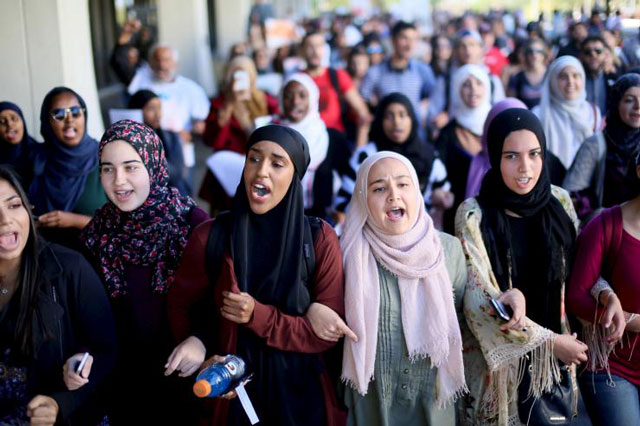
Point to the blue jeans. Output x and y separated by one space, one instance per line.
610 404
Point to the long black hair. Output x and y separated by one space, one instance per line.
27 289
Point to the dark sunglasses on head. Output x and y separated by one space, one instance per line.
59 114
590 51
532 51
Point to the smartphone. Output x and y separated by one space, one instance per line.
241 81
82 363
504 312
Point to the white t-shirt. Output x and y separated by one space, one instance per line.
183 101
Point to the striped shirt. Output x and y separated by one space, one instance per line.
416 82
437 178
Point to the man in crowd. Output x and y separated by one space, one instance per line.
184 103
335 86
400 73
597 82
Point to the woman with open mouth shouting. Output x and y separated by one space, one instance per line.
400 278
135 242
518 236
265 267
66 188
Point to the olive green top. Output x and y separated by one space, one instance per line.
403 393
93 197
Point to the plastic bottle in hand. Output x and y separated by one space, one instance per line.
219 378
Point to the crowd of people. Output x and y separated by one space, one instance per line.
394 237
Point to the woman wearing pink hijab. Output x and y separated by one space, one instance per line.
400 278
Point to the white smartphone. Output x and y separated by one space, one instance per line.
82 363
241 81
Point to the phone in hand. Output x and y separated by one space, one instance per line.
503 311
82 362
241 81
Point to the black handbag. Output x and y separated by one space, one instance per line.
553 408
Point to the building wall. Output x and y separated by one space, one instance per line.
184 25
49 44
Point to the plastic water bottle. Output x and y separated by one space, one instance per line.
219 378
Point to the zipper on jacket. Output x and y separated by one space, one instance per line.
55 299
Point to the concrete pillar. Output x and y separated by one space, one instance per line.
184 25
49 43
232 17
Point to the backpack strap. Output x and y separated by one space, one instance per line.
333 77
612 230
312 226
218 236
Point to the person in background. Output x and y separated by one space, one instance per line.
441 64
135 242
470 50
233 113
375 49
184 102
337 92
151 107
527 84
267 79
126 58
66 189
460 140
299 104
603 173
231 120
494 59
597 83
577 34
395 129
358 63
53 309
17 147
566 116
401 73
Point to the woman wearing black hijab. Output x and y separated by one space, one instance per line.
395 128
151 107
263 290
16 145
603 171
518 236
66 188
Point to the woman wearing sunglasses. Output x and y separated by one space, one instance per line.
66 188
527 84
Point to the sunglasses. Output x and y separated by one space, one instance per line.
60 114
533 51
590 51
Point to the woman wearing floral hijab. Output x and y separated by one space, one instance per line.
136 242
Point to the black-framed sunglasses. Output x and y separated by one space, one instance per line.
60 114
533 51
590 51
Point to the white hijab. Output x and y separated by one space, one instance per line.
312 128
428 312
566 123
471 118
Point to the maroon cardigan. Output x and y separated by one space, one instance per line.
280 331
